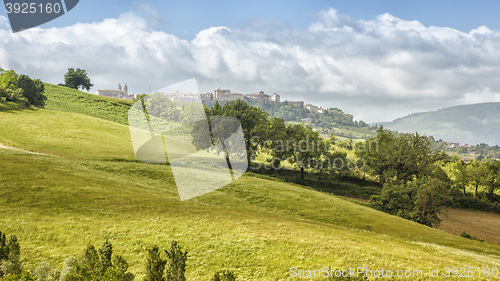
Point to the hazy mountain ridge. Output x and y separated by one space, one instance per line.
472 124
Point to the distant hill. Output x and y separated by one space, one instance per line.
472 124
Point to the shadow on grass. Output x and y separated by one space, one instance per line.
343 185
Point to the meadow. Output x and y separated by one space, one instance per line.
87 187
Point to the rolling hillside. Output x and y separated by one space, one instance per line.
71 100
88 187
472 124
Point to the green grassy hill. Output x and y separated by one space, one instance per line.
473 124
71 100
88 187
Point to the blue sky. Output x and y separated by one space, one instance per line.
378 60
186 18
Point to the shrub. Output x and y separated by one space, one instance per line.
155 265
176 262
468 236
24 276
99 265
10 260
418 200
475 203
465 235
224 275
42 271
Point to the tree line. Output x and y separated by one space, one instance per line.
416 180
21 89
479 151
25 91
99 265
295 144
326 121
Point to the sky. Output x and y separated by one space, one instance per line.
378 60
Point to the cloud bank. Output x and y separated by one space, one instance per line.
377 70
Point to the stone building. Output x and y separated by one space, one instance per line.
276 98
119 93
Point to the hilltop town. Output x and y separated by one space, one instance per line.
225 95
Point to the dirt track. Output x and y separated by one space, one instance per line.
18 149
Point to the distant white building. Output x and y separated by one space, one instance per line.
276 98
220 92
231 97
119 93
184 97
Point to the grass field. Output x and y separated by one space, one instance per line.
86 187
70 100
89 188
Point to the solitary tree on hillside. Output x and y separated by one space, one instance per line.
77 79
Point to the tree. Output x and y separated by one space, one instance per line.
77 78
492 178
297 144
477 175
42 271
4 251
337 161
32 90
176 262
254 121
398 156
12 251
155 265
9 87
461 174
224 275
418 200
9 80
274 145
98 265
21 88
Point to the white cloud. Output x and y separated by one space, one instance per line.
378 70
151 15
4 23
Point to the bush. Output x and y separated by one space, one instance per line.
475 203
99 265
24 276
155 265
42 271
176 262
21 89
10 256
465 235
224 275
418 200
69 268
468 236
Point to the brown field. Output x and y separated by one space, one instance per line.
482 225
